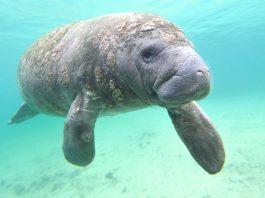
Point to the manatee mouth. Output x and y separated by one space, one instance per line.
184 89
191 82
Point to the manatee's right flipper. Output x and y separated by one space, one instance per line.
79 144
25 112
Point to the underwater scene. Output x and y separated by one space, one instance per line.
138 153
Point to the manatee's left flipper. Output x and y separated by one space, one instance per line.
25 112
200 136
78 144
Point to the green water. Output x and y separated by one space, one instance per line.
139 154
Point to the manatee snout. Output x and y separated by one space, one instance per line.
190 80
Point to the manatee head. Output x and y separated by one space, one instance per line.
161 65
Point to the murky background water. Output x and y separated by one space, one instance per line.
139 153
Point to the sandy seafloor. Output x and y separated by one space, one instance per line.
138 154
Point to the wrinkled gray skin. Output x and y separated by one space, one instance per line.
118 63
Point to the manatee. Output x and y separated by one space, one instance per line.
114 64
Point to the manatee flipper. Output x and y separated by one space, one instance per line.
25 112
199 135
78 144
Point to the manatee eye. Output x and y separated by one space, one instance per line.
149 53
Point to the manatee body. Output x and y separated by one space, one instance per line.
118 63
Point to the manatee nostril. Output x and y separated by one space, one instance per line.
203 74
200 73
